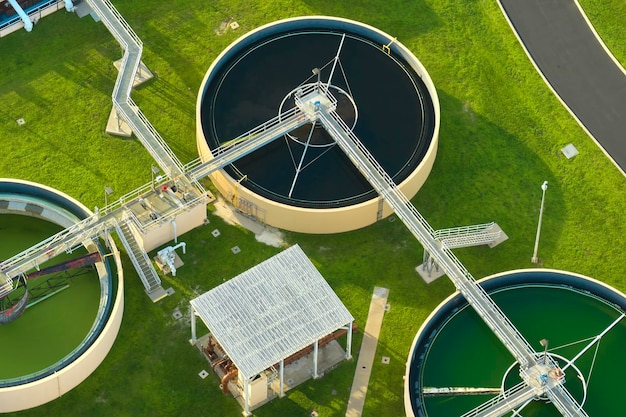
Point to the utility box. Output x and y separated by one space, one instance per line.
257 389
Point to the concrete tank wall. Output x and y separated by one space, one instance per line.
33 391
325 220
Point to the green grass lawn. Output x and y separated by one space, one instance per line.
501 135
607 18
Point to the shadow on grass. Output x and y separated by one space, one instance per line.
94 70
492 175
401 19
49 48
327 395
171 94
165 45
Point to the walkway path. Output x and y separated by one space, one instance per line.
367 352
567 52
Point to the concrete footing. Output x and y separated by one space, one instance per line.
142 75
117 126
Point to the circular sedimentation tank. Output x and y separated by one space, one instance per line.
73 316
455 349
302 181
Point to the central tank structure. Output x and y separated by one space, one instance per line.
457 363
62 318
302 181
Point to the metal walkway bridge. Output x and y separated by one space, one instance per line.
92 227
123 103
532 367
119 215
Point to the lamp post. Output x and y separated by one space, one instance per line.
544 343
107 192
155 170
544 187
316 71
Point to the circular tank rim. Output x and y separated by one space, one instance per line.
49 193
323 21
492 282
34 389
295 22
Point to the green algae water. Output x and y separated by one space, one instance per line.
465 353
51 329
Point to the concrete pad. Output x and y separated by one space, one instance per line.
142 75
428 278
157 295
82 9
503 236
263 233
569 151
367 352
117 126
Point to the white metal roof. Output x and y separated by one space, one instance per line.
271 311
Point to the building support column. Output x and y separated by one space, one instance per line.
349 342
281 383
246 397
315 354
194 338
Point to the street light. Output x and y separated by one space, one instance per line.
544 343
544 187
107 192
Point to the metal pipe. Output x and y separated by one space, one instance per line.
184 246
595 339
335 60
69 6
28 25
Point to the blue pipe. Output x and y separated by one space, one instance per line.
69 6
28 25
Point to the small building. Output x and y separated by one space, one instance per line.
272 328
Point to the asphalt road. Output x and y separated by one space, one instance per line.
573 61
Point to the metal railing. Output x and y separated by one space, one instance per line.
384 185
458 237
564 402
503 402
462 230
110 23
138 256
155 138
474 293
66 240
250 141
123 103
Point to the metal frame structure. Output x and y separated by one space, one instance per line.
270 312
